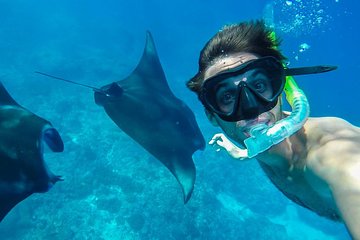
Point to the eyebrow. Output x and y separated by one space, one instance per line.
258 71
224 84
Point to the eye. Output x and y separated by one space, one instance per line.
225 97
260 86
263 87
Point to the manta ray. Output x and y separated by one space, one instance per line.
22 167
144 107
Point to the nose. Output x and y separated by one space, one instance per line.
248 106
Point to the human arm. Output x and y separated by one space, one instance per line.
344 183
336 159
342 175
347 199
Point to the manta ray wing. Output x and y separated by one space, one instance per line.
144 107
22 168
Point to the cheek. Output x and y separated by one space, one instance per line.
227 127
276 112
233 131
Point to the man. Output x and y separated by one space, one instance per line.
318 166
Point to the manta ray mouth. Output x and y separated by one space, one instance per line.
52 139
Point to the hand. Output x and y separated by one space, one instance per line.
222 141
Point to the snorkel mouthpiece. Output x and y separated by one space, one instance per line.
262 137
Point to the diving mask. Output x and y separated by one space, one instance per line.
246 91
252 88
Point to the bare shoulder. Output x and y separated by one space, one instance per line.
330 123
333 147
334 156
325 129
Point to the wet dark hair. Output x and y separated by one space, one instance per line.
252 37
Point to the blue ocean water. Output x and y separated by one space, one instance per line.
114 189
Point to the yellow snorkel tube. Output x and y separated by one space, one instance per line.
263 137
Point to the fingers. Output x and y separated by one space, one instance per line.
217 141
220 141
215 138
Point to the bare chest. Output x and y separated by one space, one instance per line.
304 188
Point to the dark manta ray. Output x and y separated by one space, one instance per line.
22 168
144 107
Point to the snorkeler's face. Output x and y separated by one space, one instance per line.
243 89
240 130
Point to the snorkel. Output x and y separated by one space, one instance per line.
262 137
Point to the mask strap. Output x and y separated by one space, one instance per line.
309 70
